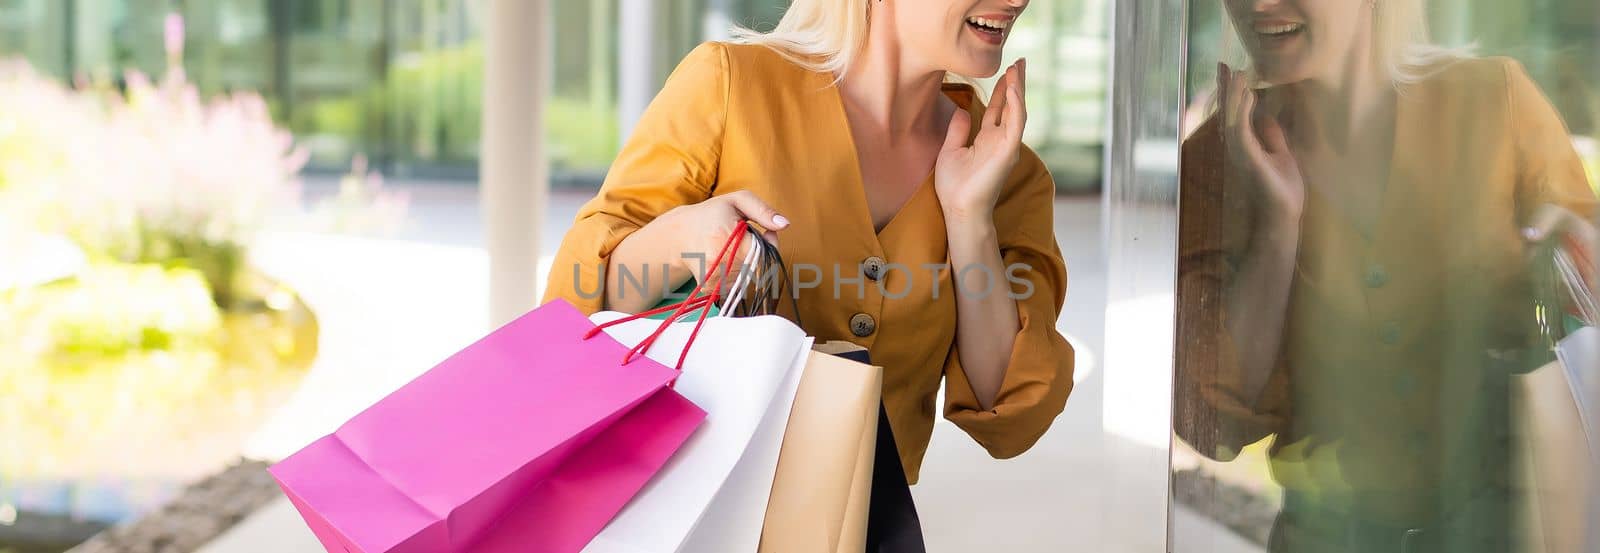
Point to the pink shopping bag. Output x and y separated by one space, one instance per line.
536 436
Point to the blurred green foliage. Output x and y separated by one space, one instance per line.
111 309
431 103
130 370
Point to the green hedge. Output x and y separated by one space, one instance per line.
430 106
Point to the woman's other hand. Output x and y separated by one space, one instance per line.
1580 235
702 228
686 240
968 179
1257 144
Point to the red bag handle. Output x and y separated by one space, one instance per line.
695 301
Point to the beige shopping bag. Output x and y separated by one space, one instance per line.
822 489
1554 448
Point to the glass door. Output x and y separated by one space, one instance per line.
1385 258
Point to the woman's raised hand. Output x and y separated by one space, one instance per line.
1257 144
968 179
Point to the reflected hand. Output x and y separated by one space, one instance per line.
968 179
1256 141
1581 235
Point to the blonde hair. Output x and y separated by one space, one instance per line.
825 36
1401 41
820 35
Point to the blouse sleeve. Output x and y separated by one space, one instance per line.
1038 376
1212 413
670 160
1549 169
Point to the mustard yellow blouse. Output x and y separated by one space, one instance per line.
1387 399
740 117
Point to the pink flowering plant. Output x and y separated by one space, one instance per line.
200 178
158 174
47 133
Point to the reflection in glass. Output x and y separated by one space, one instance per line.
1368 226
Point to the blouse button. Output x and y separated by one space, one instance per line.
1377 276
872 267
862 325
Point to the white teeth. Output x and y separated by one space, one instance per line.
990 23
1278 29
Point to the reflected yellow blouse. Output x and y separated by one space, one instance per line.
1386 399
738 117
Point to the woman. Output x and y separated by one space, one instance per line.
881 184
1355 229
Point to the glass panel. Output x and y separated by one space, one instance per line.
1140 209
1376 354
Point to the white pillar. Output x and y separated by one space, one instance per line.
512 165
636 74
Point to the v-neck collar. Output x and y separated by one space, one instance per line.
963 96
1389 208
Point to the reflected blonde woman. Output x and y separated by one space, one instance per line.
1355 225
841 134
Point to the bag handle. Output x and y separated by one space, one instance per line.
765 292
1577 275
747 271
1560 290
696 301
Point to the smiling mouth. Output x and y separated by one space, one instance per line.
988 27
1278 30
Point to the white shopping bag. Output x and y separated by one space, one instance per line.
712 495
1579 353
1558 451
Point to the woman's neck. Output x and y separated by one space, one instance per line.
1344 106
893 95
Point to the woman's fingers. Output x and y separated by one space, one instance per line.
1007 114
1239 109
1235 116
1224 104
1016 116
753 208
1222 79
960 126
1547 220
1247 137
1273 139
1552 220
991 116
1022 79
1581 237
1020 99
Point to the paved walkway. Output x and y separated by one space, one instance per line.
391 308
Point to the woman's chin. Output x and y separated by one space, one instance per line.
977 66
1280 74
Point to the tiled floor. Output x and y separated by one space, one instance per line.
391 308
